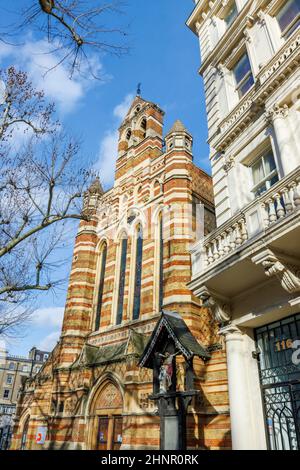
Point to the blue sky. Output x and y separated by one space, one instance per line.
164 57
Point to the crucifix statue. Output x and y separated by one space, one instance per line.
166 371
173 384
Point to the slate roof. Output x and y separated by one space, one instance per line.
181 335
178 126
93 355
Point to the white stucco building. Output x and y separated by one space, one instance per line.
248 269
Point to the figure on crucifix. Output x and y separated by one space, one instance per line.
166 371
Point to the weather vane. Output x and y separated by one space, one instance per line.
138 91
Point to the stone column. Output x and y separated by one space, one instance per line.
239 399
277 116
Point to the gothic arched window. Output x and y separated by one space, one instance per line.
161 263
103 256
138 273
128 134
122 281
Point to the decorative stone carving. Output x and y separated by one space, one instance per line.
110 398
247 36
71 405
218 305
221 70
276 112
213 21
229 163
280 266
261 16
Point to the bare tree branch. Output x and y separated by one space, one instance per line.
41 188
79 28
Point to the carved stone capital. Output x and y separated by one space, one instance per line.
276 112
231 332
221 70
261 17
282 267
229 163
247 35
218 305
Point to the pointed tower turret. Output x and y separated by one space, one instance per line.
92 195
179 138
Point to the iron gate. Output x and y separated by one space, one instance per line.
279 366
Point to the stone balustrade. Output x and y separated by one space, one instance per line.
279 202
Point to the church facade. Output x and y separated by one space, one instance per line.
131 262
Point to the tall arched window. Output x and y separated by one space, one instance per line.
138 273
128 134
144 127
122 281
161 262
103 255
24 434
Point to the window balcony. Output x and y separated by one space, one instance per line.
225 259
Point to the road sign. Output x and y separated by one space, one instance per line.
41 435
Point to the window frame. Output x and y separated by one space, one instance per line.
6 390
138 265
286 33
9 376
121 279
238 85
227 14
100 285
267 177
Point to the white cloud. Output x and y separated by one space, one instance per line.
49 342
49 320
37 58
108 149
107 157
121 109
50 317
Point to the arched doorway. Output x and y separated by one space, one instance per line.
105 417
